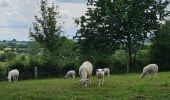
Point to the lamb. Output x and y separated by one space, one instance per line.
100 76
71 73
149 69
13 75
106 71
85 71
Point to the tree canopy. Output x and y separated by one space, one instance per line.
160 49
108 24
47 29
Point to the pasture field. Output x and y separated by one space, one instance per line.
116 87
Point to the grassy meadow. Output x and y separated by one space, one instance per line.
116 87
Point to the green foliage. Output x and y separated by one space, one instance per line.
48 64
20 62
7 56
55 49
36 61
34 48
160 49
67 53
143 56
107 24
3 71
120 56
46 29
2 46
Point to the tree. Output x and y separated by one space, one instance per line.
34 48
160 49
47 30
143 57
95 36
125 22
120 56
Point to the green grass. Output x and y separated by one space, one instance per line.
116 87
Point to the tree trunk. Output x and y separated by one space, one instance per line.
129 47
129 60
35 72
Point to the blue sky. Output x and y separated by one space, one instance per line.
16 16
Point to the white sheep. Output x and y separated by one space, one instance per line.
85 71
71 73
13 75
106 71
100 76
149 69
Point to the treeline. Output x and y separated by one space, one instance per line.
14 46
123 35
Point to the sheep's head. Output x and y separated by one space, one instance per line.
99 72
84 82
143 74
9 78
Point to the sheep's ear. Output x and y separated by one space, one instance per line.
87 79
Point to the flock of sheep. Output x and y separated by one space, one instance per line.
85 72
86 69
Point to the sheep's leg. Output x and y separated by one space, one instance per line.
99 82
102 81
74 75
155 74
149 75
13 78
17 78
89 80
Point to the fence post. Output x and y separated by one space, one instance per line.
35 72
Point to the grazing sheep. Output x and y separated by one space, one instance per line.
13 75
149 69
100 76
71 73
106 71
85 71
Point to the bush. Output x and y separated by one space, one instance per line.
3 73
142 59
119 60
6 56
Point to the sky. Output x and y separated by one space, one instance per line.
17 16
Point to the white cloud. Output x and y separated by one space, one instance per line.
69 11
16 16
11 33
5 3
